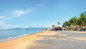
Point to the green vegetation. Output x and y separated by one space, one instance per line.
53 26
76 23
58 23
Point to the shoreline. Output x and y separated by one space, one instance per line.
48 40
11 44
16 37
12 38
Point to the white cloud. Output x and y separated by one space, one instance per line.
3 25
50 25
18 13
1 17
14 13
5 18
8 19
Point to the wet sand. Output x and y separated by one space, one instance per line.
48 40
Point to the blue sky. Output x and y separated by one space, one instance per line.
38 13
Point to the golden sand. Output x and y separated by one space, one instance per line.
48 40
24 42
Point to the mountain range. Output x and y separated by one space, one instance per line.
30 28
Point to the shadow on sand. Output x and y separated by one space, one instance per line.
59 42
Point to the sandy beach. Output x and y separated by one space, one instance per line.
24 42
48 40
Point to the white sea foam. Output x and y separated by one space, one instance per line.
11 38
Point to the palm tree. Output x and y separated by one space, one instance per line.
66 23
82 14
76 22
81 20
53 26
73 21
58 23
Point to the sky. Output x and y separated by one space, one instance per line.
38 13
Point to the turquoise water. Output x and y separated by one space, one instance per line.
14 33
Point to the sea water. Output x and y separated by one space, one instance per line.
7 34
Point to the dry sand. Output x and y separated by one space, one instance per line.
48 40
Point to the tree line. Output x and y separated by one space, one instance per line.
76 23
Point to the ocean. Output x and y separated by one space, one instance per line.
8 34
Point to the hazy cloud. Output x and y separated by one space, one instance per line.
1 17
3 25
49 25
18 13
